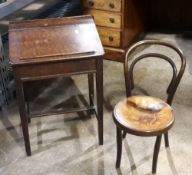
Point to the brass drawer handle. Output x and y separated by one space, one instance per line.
91 3
110 38
111 5
112 20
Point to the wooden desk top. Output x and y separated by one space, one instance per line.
45 40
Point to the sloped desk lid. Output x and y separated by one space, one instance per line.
53 39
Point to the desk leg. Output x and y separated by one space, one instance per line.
27 104
23 116
99 88
91 89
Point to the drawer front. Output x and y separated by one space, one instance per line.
55 69
105 19
109 37
109 5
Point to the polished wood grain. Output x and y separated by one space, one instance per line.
105 19
110 37
144 118
34 40
114 54
133 23
127 19
47 70
108 5
49 48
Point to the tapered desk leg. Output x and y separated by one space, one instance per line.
99 87
23 116
27 104
91 88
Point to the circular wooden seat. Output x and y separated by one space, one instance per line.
143 115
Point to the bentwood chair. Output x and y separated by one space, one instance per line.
146 115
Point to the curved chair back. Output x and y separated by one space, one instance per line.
177 74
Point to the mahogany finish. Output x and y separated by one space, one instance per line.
119 23
144 115
47 48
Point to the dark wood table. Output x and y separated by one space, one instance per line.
48 48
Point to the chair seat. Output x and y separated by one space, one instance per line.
144 115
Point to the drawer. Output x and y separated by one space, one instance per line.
105 19
110 37
109 5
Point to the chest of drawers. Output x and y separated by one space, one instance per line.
118 22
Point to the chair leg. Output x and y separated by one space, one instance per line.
119 147
132 83
29 120
124 134
156 153
166 137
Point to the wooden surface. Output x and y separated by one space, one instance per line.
72 47
144 114
133 18
119 23
114 54
106 19
110 37
108 5
45 40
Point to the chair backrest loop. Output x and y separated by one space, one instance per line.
177 75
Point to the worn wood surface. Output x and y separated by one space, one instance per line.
45 40
114 54
106 19
72 47
143 113
110 37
